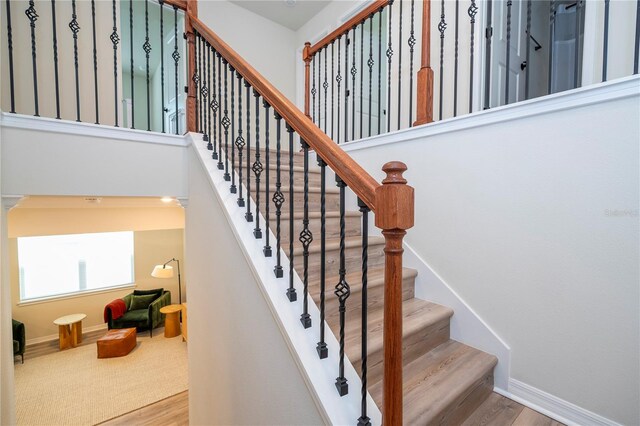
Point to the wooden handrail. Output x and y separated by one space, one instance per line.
180 4
347 26
357 178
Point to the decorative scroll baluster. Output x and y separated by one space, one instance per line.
389 56
442 26
196 80
220 119
226 122
147 50
291 291
338 81
354 72
214 104
306 237
472 11
364 419
313 90
321 347
399 65
95 60
176 59
55 59
210 137
342 291
347 40
605 44
379 71
411 42
204 92
508 53
240 142
370 63
257 168
10 48
162 107
455 62
114 40
278 197
132 85
248 215
362 66
332 74
267 248
319 118
75 28
325 86
33 16
233 187
528 52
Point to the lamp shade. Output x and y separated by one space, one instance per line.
162 271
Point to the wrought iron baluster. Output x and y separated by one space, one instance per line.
196 80
214 104
362 69
55 58
605 44
132 85
267 247
342 291
389 57
291 291
313 90
508 53
278 197
95 61
176 59
354 72
411 42
325 86
226 122
528 52
233 188
399 64
473 9
370 63
248 216
147 50
162 106
319 57
338 80
240 142
576 54
321 347
552 18
364 419
455 62
346 88
332 74
379 72
114 41
306 237
257 168
442 26
636 54
10 49
487 58
210 90
204 93
33 16
220 118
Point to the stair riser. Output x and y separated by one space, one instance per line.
353 261
298 159
332 227
298 177
467 402
332 202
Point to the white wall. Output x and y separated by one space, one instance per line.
240 368
267 46
530 214
50 157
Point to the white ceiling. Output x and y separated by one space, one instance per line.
292 14
44 202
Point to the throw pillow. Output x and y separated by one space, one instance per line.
141 301
157 292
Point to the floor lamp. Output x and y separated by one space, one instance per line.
164 271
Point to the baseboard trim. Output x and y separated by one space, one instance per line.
552 406
52 337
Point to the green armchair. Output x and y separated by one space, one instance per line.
140 317
18 339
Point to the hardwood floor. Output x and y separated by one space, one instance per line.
172 411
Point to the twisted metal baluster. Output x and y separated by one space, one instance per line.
75 28
55 58
291 291
248 215
196 81
506 76
313 90
214 104
411 42
389 57
338 80
442 26
342 291
95 61
370 63
321 347
240 142
354 72
346 88
176 59
220 119
114 40
32 15
306 237
473 9
133 92
278 197
226 122
364 209
10 48
233 189
257 168
455 61
147 50
267 248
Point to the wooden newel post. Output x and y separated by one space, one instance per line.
394 215
192 10
424 96
306 57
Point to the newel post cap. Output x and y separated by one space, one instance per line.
394 199
306 56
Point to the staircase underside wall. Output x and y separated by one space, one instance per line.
241 370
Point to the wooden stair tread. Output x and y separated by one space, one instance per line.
375 278
298 215
297 189
334 244
439 379
297 169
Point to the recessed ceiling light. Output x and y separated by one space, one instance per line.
166 199
290 3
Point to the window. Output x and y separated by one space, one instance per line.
67 264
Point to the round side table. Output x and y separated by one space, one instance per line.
172 320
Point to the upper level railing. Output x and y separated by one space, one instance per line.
363 78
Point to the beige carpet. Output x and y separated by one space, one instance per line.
74 387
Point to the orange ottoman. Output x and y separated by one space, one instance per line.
117 343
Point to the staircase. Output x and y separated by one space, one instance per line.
445 381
